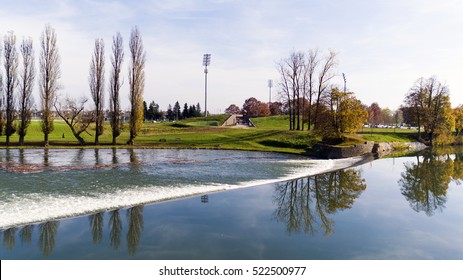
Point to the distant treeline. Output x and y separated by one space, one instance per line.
152 112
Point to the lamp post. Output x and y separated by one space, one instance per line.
345 81
270 85
206 62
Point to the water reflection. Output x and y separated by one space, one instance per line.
115 225
38 161
25 234
48 231
96 224
9 238
425 182
136 226
305 204
47 237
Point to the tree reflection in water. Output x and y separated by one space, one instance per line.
25 234
115 226
304 203
425 182
9 238
47 235
136 226
96 225
47 231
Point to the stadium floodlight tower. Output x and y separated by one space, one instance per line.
270 85
206 62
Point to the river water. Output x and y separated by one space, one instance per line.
197 204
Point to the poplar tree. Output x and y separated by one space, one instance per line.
115 84
11 81
96 83
26 84
136 82
50 73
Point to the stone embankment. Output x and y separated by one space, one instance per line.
381 149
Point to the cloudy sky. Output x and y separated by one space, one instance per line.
383 46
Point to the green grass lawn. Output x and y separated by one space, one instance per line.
388 134
195 133
270 134
273 122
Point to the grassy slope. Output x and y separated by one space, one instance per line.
270 134
388 135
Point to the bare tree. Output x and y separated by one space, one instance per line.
11 81
309 85
1 104
2 99
74 115
26 85
285 90
96 83
50 73
136 82
292 72
326 74
115 84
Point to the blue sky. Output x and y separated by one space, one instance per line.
382 46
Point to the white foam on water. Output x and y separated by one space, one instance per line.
36 208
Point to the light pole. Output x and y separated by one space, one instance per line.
345 81
270 85
206 62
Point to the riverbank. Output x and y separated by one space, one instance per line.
368 147
270 134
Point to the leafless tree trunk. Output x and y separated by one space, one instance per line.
1 99
11 81
285 90
26 85
312 63
298 68
291 72
96 82
50 73
324 77
75 117
137 83
115 84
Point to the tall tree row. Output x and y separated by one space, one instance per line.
292 71
136 82
301 90
50 73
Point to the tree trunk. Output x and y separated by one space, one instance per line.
130 141
80 139
21 140
45 139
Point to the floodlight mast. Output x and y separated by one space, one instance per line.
270 85
345 81
206 62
